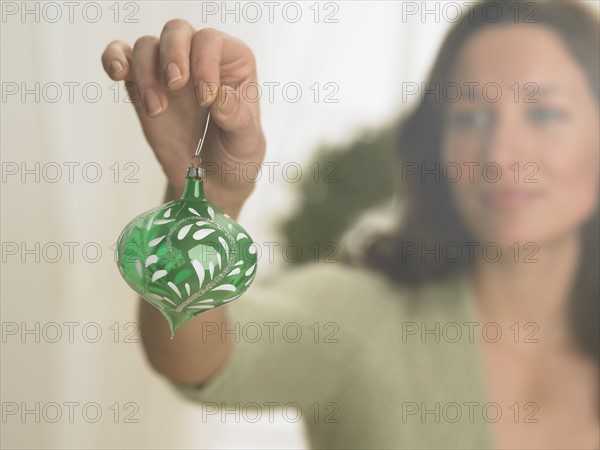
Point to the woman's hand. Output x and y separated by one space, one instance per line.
173 80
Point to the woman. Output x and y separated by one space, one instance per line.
475 323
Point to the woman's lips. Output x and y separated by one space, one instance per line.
510 198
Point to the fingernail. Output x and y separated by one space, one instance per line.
205 97
226 104
115 66
173 74
152 103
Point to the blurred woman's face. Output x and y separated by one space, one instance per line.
525 136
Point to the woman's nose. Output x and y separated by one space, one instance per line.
507 140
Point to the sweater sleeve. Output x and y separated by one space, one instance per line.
340 347
293 339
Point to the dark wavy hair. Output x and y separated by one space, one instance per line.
430 215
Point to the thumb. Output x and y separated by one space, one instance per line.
239 120
231 112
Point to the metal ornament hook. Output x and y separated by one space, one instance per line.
196 171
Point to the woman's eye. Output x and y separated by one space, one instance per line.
543 115
470 119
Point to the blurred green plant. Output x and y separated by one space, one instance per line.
345 181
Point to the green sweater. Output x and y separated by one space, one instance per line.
364 363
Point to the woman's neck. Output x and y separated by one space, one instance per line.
537 292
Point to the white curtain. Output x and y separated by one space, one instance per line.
58 211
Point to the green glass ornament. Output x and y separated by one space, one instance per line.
186 256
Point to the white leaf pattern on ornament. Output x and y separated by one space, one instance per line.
201 234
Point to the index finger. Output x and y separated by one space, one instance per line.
207 47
